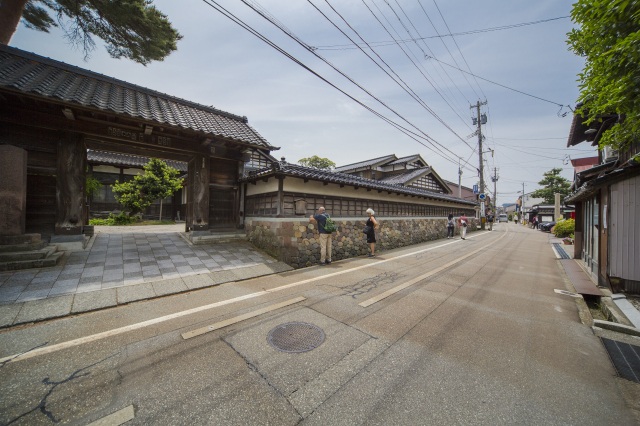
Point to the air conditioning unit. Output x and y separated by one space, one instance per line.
609 154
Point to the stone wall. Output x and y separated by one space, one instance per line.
295 241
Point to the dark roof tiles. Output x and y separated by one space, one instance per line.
293 170
28 73
366 163
128 160
403 178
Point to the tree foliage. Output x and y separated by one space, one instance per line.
552 183
158 181
133 29
608 37
317 163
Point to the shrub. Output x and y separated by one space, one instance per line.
564 228
115 219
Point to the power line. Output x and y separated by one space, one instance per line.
406 86
440 36
502 85
213 4
461 54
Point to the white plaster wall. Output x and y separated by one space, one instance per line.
333 190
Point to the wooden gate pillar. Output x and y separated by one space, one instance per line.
70 185
13 190
198 194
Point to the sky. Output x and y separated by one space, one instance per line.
525 73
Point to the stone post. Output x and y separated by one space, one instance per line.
70 183
198 193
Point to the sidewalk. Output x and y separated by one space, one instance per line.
122 265
625 312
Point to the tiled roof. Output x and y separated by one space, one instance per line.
293 170
407 159
372 162
128 160
407 176
42 77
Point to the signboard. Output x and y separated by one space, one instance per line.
475 189
482 209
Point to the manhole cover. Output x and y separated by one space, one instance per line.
296 337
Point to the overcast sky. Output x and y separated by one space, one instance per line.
220 64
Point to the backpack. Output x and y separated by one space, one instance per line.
329 225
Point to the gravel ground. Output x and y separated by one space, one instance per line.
635 301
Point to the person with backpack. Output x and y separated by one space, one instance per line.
490 219
463 222
450 226
321 219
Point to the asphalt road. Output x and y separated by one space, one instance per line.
448 332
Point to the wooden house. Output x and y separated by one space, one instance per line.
53 114
607 202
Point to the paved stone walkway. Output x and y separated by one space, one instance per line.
125 256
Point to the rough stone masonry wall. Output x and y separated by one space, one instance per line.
296 241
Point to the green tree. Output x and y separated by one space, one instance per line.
133 29
317 163
608 37
158 182
553 183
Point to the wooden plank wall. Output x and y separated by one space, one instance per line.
41 175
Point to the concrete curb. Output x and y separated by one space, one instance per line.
614 326
62 306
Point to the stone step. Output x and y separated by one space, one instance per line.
12 248
200 238
42 253
16 265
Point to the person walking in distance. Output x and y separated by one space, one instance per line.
370 231
320 218
462 223
450 226
490 218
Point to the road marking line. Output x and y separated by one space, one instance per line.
411 282
114 332
240 318
117 418
567 293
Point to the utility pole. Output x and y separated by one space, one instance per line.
494 178
459 179
480 120
522 205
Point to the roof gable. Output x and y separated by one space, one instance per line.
367 164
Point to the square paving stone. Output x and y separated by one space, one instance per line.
43 309
220 277
8 313
198 281
170 286
91 301
136 292
83 288
57 291
10 294
91 280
